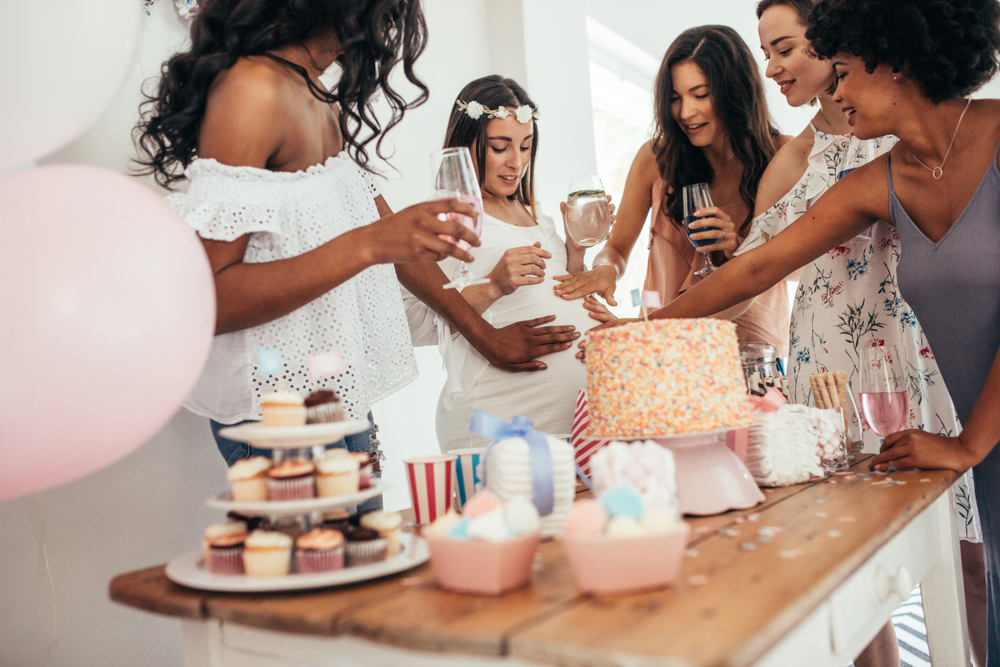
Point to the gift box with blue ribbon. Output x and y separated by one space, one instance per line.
524 462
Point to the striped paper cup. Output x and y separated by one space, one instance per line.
466 472
430 481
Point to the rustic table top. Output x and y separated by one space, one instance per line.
737 595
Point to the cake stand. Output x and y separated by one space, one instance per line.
711 479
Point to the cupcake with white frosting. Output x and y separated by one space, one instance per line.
283 408
337 476
267 554
248 479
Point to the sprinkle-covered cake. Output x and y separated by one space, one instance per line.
665 377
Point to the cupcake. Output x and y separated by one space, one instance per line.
248 479
320 550
365 546
387 525
292 479
323 406
267 554
223 545
365 463
337 476
339 519
283 408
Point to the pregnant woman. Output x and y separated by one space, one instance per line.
520 252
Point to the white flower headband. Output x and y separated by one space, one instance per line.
524 114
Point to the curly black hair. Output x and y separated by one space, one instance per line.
950 47
375 35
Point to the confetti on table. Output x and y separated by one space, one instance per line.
879 472
768 490
882 483
832 481
740 519
846 519
925 479
792 553
698 580
753 517
702 529
729 532
691 553
763 539
845 474
834 533
766 531
821 515
748 546
820 501
899 481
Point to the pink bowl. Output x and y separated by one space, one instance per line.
483 568
614 565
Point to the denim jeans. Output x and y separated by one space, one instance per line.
366 441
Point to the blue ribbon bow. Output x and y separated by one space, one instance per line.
542 476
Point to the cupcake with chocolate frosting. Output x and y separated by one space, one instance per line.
365 546
223 547
323 406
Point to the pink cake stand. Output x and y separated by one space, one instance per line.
711 478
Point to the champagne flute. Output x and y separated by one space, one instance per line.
859 152
588 218
453 177
884 400
698 196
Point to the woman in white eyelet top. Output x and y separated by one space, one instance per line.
286 214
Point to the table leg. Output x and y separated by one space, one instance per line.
944 594
202 643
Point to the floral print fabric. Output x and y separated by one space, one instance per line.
849 298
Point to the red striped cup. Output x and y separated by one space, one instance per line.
430 481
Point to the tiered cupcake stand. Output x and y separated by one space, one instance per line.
190 569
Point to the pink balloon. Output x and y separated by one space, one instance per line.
107 312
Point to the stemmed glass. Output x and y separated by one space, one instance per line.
588 217
698 196
453 177
884 400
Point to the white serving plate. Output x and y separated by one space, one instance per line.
294 437
224 501
189 570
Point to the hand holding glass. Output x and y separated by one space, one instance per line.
697 197
884 400
453 177
588 217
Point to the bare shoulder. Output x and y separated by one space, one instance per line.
644 170
784 171
244 106
783 139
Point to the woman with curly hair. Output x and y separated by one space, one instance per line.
712 126
905 68
297 234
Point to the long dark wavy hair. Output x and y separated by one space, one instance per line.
374 35
737 95
492 92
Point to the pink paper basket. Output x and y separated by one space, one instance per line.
618 565
480 567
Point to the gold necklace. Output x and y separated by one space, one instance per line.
938 172
826 120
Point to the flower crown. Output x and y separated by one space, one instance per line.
475 110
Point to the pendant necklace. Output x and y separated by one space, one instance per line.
938 172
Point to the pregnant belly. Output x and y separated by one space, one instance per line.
535 301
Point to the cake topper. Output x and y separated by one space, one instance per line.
325 364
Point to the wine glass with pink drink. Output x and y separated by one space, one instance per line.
884 400
453 177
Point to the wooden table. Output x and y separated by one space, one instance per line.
844 553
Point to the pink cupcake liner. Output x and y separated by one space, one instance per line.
298 488
284 415
225 560
368 551
314 560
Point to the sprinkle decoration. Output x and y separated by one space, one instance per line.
792 553
698 580
687 372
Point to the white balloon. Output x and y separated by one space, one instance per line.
62 62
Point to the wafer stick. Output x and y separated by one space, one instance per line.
841 379
831 389
820 389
